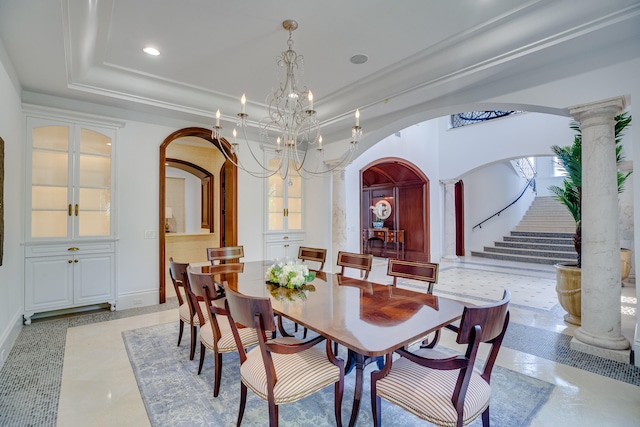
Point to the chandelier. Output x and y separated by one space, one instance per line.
290 130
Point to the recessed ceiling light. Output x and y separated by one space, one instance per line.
151 51
359 59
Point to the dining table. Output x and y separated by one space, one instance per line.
369 319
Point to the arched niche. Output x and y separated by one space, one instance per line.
227 180
406 189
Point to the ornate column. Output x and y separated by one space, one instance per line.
449 219
338 214
600 332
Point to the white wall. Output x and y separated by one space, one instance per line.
192 199
11 279
486 191
417 144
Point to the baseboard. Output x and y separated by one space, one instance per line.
8 338
137 299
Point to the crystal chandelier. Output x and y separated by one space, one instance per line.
291 128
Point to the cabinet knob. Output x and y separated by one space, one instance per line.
75 260
69 261
73 249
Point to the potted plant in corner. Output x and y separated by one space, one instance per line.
569 194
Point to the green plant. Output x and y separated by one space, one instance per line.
570 157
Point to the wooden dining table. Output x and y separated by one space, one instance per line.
368 318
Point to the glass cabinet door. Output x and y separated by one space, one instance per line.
70 180
50 186
284 199
94 184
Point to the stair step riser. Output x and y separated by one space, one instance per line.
538 240
504 257
541 254
535 247
542 234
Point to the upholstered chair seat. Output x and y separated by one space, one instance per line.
429 396
299 374
226 343
184 313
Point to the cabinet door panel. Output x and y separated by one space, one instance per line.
49 224
93 279
47 282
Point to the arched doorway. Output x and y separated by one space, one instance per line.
228 191
406 189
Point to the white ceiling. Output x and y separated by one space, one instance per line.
423 54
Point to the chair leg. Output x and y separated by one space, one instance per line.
273 414
304 334
202 350
375 409
181 331
243 401
338 393
194 333
485 418
218 374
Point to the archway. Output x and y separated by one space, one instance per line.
406 189
228 182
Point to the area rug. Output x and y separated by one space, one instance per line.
174 395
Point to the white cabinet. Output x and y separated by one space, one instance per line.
283 246
285 231
70 235
61 276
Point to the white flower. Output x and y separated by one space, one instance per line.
291 274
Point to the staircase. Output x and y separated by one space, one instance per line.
544 236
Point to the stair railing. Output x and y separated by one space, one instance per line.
530 183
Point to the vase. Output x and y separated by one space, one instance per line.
377 224
625 262
569 290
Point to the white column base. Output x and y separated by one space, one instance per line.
622 356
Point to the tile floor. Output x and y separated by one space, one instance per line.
99 389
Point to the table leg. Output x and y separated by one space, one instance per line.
357 392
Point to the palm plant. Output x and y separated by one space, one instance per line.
570 157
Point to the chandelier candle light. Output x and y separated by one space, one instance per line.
291 126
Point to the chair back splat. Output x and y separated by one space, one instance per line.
361 262
225 254
313 254
416 270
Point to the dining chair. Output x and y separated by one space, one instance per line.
224 254
186 310
313 254
216 333
416 270
444 389
362 262
280 370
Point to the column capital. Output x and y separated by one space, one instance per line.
449 181
608 107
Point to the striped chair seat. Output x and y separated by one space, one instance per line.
427 393
298 374
226 343
183 311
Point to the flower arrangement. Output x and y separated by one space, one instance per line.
290 274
